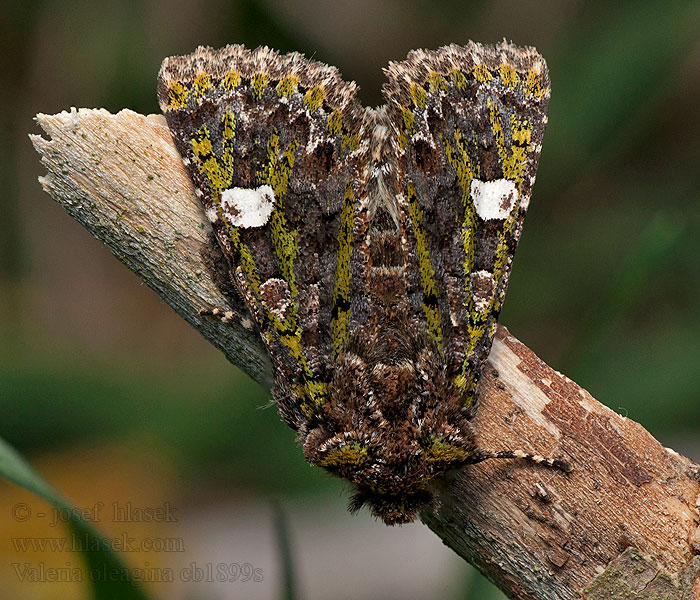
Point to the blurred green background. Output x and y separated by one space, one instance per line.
605 287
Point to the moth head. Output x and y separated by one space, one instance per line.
392 473
390 427
393 509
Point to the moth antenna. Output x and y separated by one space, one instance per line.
555 463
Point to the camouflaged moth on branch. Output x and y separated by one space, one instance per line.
372 246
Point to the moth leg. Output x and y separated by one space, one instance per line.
225 316
555 463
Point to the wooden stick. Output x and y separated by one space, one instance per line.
536 532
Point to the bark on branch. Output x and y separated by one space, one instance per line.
623 524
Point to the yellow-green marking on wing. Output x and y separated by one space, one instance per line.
427 273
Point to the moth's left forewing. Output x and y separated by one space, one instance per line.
468 125
271 143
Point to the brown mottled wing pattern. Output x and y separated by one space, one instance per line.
468 125
272 145
372 246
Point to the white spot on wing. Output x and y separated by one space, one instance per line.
493 199
244 207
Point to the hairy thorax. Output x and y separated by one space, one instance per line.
406 425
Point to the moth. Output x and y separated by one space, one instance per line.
372 246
